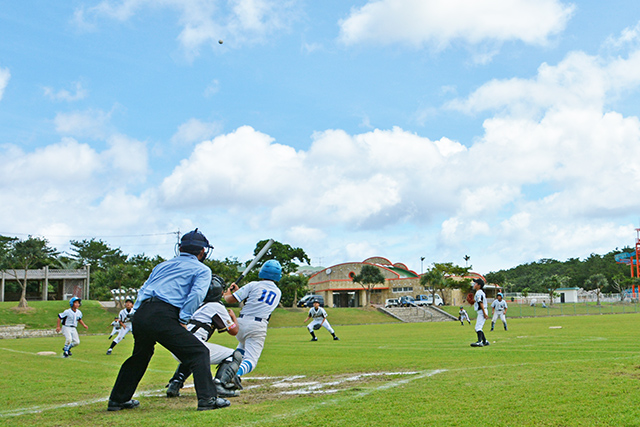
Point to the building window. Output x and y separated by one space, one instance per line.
403 289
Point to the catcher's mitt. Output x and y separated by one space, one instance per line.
317 326
470 299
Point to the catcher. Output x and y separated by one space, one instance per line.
319 316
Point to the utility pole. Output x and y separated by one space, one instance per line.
421 261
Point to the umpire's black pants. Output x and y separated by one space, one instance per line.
158 322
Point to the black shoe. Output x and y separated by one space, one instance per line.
173 388
212 403
109 351
491 329
129 404
486 344
314 339
477 344
224 392
336 339
66 354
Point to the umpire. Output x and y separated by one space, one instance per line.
166 301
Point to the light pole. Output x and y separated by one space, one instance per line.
421 261
466 260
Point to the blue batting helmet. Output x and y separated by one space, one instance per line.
271 270
74 299
500 294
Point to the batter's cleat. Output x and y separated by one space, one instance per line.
477 344
109 351
314 339
212 403
116 406
336 339
173 388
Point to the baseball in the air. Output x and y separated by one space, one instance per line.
220 41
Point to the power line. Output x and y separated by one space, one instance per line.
90 236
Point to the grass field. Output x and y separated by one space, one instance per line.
585 374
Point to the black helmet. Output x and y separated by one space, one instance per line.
193 242
216 288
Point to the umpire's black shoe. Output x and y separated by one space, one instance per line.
212 403
116 406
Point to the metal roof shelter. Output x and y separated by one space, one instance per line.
71 282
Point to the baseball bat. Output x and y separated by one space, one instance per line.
255 261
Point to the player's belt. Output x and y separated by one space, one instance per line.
257 319
69 326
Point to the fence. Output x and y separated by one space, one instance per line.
523 309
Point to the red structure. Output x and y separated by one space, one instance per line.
632 259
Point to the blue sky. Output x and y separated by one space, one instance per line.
506 130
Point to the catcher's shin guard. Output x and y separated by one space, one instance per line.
177 381
227 371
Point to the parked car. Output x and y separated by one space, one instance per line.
391 302
407 301
428 300
307 300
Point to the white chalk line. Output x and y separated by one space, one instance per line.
38 409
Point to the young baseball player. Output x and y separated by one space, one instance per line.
499 309
116 327
211 316
67 322
319 316
463 315
260 299
124 320
480 306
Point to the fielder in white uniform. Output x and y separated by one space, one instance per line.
116 327
211 316
463 315
480 306
260 299
499 310
124 320
319 316
67 322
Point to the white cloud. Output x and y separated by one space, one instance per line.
212 88
440 22
128 157
5 75
194 130
65 95
88 123
204 22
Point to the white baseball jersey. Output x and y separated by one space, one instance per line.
463 314
212 314
260 298
499 306
70 317
480 298
125 316
320 313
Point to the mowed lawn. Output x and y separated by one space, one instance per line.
587 373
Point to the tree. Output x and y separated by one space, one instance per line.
442 276
553 282
33 252
369 277
228 269
596 282
97 253
621 283
293 287
285 254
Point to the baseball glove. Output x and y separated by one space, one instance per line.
470 298
317 326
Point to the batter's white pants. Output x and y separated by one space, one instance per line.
251 337
479 320
122 332
71 336
326 325
499 314
217 353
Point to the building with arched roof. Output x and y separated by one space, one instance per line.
336 284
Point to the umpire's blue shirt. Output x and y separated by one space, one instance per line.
182 282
